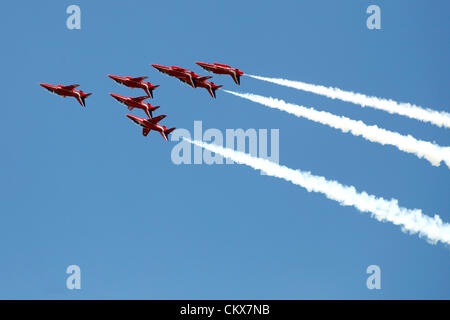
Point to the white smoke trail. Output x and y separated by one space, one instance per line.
422 149
411 220
438 118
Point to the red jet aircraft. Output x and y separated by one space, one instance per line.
219 68
67 91
210 86
135 83
151 124
137 102
187 76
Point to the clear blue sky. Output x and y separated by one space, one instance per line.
83 186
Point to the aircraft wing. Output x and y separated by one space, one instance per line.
222 65
139 99
138 79
178 69
204 78
157 119
185 81
71 87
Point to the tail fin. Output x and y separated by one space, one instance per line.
83 97
168 131
149 111
149 89
149 92
214 88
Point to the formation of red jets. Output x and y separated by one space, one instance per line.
184 75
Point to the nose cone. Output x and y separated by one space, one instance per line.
116 96
116 78
162 69
135 119
44 85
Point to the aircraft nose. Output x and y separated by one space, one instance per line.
131 117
